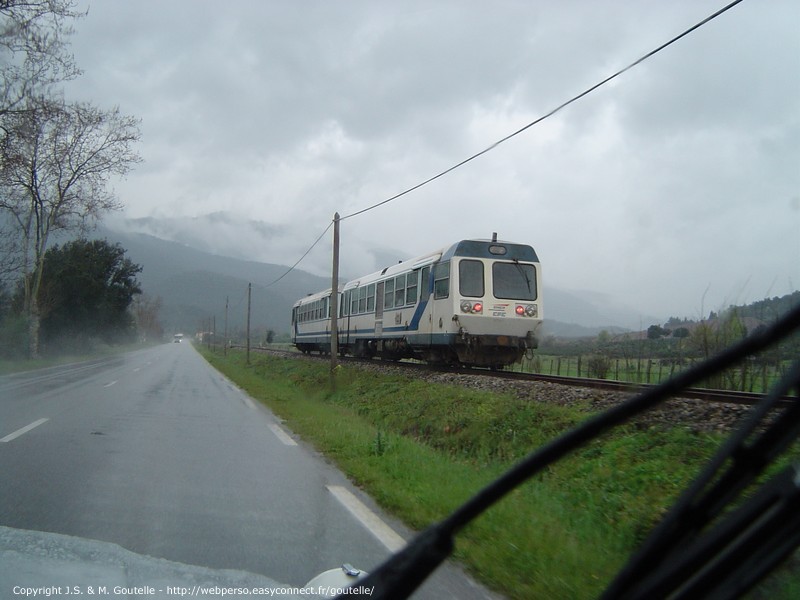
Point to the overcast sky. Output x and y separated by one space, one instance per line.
673 189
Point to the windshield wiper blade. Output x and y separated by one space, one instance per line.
736 554
405 571
524 275
679 558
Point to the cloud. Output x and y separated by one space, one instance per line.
671 184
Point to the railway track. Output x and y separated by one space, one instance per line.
710 395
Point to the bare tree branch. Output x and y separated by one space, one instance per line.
57 162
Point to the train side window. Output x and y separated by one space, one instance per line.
411 287
388 295
354 301
441 281
470 278
362 300
371 298
399 290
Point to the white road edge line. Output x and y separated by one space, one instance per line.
282 435
385 534
24 430
111 383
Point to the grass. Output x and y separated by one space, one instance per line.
422 449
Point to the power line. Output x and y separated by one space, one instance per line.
549 114
271 283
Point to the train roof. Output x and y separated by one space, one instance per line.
491 249
473 248
315 297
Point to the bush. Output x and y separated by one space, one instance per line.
599 366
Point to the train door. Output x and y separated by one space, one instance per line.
421 318
440 311
379 302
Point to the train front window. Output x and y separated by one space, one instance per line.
514 281
470 278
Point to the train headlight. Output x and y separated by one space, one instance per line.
531 310
469 307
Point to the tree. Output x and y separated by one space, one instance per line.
56 163
33 50
681 333
146 311
33 58
655 332
86 291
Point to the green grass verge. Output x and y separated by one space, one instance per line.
420 450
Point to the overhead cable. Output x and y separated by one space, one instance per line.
520 130
549 114
299 260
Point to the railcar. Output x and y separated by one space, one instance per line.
311 322
475 302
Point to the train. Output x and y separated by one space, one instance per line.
475 303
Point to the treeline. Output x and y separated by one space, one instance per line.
656 353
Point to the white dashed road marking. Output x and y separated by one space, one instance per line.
385 534
24 430
282 435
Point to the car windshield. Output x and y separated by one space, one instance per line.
284 285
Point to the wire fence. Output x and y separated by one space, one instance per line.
756 376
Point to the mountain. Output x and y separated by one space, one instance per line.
194 284
586 313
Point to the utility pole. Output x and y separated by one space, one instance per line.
335 302
249 285
225 341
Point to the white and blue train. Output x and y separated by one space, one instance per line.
476 302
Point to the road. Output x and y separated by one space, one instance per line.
159 453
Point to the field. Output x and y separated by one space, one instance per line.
421 450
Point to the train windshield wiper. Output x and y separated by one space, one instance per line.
679 559
524 275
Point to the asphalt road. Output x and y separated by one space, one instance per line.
159 453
